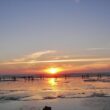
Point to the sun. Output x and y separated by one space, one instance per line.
53 70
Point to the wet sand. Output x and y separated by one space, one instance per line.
60 94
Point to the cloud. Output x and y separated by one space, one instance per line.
44 57
32 58
33 61
35 55
76 60
97 49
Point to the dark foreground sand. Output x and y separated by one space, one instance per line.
93 103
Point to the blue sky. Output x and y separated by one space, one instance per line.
74 27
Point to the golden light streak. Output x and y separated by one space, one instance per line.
52 81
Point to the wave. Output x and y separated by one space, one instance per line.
27 97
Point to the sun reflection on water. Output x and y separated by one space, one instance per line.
52 81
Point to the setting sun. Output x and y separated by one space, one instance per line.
53 70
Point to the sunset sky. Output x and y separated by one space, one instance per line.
73 35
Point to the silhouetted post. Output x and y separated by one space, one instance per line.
14 78
82 76
32 78
24 77
29 78
47 108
